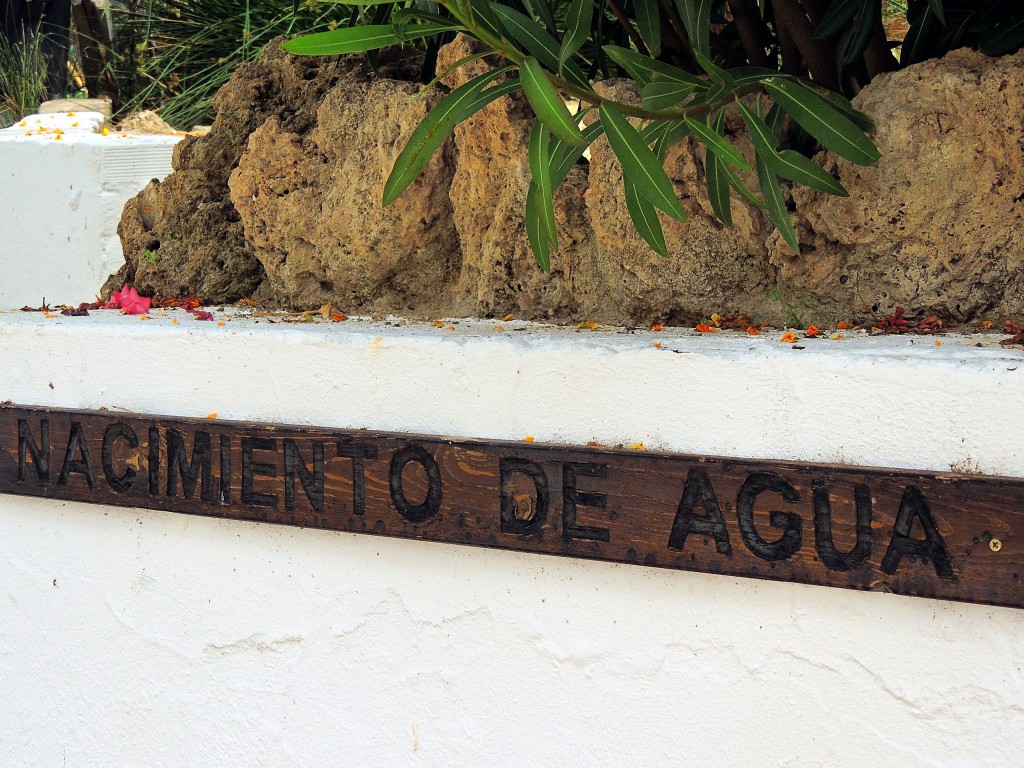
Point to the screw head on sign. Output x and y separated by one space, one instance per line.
995 545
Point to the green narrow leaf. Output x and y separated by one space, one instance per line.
578 20
696 16
664 94
644 69
432 131
842 105
343 40
362 2
486 19
938 10
764 139
534 231
718 144
1002 39
747 75
648 20
538 43
411 31
791 165
737 183
547 103
718 189
836 18
640 164
540 173
541 10
855 40
715 72
915 44
823 121
645 219
788 164
563 158
728 175
773 120
776 204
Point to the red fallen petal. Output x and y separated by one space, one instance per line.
115 298
202 315
139 305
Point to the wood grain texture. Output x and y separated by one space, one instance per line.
915 533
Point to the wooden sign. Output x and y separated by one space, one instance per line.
913 533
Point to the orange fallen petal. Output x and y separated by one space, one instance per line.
499 328
528 439
220 322
986 323
842 326
339 318
450 328
507 317
656 345
174 321
812 330
656 327
717 320
438 324
938 343
638 446
704 328
788 338
753 331
212 415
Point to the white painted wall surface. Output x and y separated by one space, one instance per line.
61 203
135 637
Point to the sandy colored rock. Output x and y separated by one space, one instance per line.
145 122
938 226
188 223
311 204
712 268
307 143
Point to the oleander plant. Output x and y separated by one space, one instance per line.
787 67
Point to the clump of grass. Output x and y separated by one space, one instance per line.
22 78
176 54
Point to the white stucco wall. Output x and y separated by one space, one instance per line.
61 202
135 637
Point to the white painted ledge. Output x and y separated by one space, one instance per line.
62 195
136 637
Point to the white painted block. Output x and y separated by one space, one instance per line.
136 637
62 200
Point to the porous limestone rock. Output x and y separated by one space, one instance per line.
307 143
184 235
938 226
311 205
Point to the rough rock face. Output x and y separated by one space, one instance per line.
188 222
281 201
938 227
311 205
